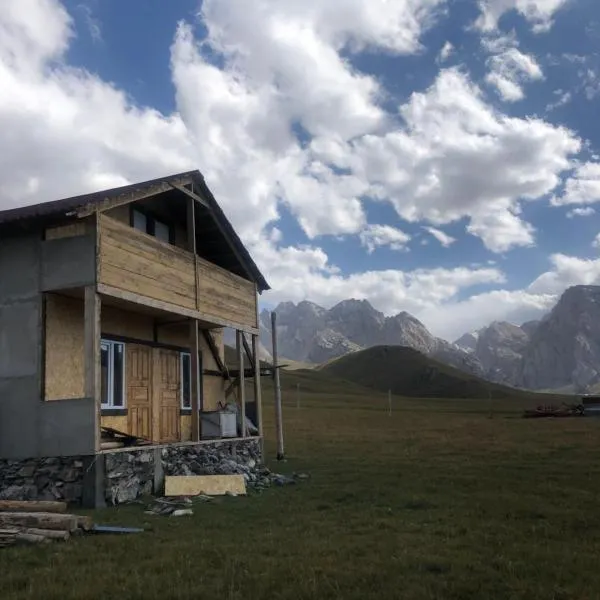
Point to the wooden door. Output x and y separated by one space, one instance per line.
139 404
167 383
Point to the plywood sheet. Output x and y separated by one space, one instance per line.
64 365
211 485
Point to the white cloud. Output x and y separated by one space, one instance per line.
583 187
566 271
93 24
446 155
509 68
458 157
375 236
596 242
451 319
562 99
538 12
443 238
445 52
585 211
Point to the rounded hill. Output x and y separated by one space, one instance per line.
407 372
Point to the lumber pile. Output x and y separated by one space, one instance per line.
565 410
113 438
33 522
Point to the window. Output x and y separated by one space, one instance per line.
140 221
186 381
148 224
112 362
162 231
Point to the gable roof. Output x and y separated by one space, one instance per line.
66 207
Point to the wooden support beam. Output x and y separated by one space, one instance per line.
91 359
195 388
257 392
241 379
231 387
210 340
128 197
278 411
192 195
248 352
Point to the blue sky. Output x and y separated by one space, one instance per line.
435 156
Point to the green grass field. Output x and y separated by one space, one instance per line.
442 499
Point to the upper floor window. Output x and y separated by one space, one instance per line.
152 226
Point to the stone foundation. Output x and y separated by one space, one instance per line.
135 473
42 479
121 477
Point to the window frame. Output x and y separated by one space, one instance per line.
151 221
181 375
110 405
187 410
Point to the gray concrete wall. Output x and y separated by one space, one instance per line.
68 262
30 427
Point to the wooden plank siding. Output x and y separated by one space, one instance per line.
137 263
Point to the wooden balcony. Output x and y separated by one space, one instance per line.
137 267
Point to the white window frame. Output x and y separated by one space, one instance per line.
111 344
181 355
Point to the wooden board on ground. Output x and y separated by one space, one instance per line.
210 485
48 506
39 520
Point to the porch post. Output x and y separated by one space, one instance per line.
195 387
241 379
92 381
257 392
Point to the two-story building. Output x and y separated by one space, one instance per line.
112 309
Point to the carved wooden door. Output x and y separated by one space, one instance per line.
167 383
139 403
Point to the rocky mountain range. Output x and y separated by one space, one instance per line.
307 332
561 352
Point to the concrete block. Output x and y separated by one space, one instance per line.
20 338
19 267
68 262
19 403
66 427
94 481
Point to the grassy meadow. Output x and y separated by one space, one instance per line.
442 499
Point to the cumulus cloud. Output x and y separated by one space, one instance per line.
375 236
443 238
509 70
457 157
583 187
538 12
451 319
585 211
566 271
444 155
596 241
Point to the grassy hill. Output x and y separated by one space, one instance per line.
407 372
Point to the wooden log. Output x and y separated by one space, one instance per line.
33 506
40 520
30 538
51 534
84 522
